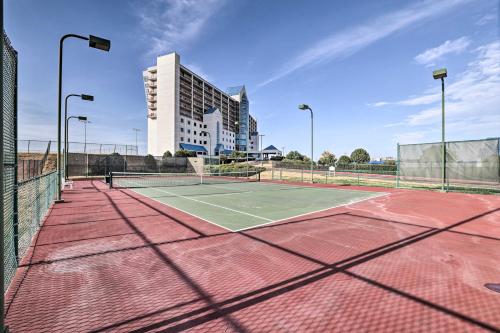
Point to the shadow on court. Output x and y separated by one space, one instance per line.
128 263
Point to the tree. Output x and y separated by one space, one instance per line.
360 156
150 163
237 154
344 159
327 158
183 153
295 155
166 155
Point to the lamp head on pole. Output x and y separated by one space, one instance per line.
82 118
440 74
304 107
87 97
99 43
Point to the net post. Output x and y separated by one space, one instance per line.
110 180
397 166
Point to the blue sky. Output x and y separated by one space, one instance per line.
364 67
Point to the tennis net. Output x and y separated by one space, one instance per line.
144 180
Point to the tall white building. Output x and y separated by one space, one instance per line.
187 112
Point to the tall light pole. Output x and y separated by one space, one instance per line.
94 42
306 107
85 98
81 118
85 135
261 151
209 150
441 74
136 130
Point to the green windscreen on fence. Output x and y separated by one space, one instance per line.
466 162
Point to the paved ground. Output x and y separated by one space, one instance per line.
114 261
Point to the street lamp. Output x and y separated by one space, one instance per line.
209 150
136 130
441 74
85 135
94 42
81 118
261 151
85 98
304 107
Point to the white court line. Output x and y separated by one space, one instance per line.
316 211
211 204
181 210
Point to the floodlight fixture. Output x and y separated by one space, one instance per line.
304 107
82 118
99 43
87 97
440 73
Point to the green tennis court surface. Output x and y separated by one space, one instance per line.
242 205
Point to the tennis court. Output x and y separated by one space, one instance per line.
135 258
236 201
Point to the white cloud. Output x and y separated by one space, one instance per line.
486 19
411 101
172 23
472 99
429 56
410 137
353 39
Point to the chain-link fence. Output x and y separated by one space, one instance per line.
89 165
9 119
467 164
34 199
39 146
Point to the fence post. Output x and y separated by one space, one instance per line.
281 173
29 146
397 167
272 171
326 176
301 174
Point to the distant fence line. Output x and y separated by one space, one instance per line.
40 146
88 165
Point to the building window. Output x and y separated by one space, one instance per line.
189 122
194 140
189 131
194 124
182 120
194 132
189 140
182 138
204 142
204 126
182 129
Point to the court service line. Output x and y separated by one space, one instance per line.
181 210
313 212
214 205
